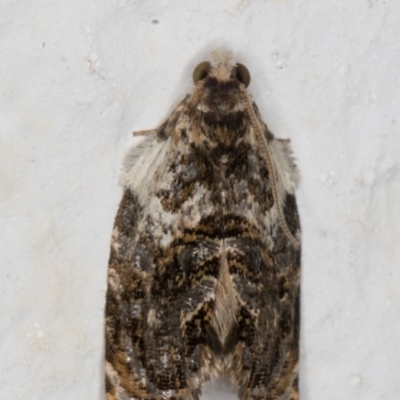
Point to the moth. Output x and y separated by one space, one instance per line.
204 270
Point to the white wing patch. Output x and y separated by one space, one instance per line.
141 163
287 173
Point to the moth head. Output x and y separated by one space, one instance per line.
206 70
221 83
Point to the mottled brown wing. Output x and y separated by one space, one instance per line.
268 344
264 347
158 342
123 302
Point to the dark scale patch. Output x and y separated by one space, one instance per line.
199 332
247 264
209 227
173 200
193 169
296 319
283 288
237 166
259 185
286 322
168 127
290 212
221 90
220 97
246 328
127 216
220 87
236 226
183 134
245 176
235 124
199 257
183 278
223 133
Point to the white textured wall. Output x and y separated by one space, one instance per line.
76 77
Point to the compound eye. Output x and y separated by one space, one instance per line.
201 71
242 74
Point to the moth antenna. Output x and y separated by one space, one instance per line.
262 141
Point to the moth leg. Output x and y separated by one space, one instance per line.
145 133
